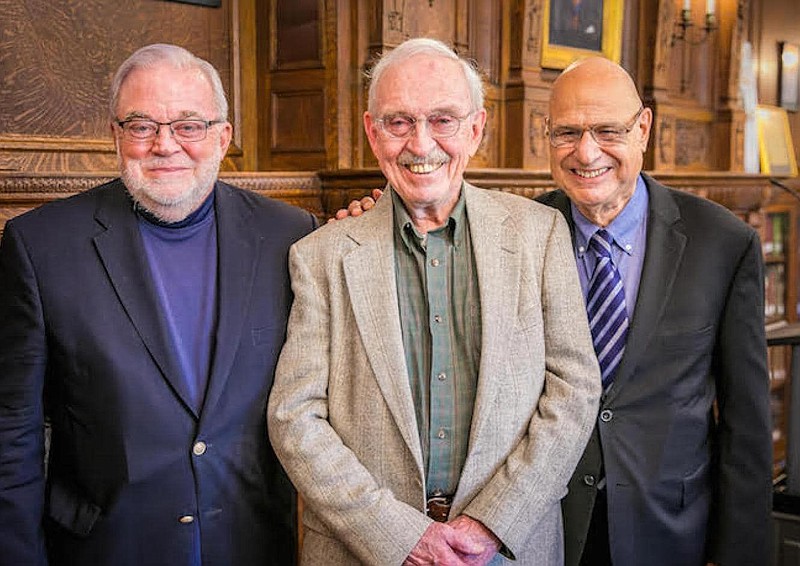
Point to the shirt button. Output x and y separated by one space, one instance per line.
437 318
442 376
186 519
606 415
588 480
435 262
199 448
441 434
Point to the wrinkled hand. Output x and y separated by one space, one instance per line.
357 207
443 545
480 535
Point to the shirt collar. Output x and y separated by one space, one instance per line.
623 229
411 236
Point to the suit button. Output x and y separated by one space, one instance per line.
588 480
186 519
199 448
606 415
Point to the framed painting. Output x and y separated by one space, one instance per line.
572 29
775 141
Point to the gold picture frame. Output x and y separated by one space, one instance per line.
775 141
570 31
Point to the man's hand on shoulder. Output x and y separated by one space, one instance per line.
441 544
357 207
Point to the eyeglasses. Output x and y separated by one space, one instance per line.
602 134
439 125
192 130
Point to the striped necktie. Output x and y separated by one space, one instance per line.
605 306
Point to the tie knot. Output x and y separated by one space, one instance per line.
600 243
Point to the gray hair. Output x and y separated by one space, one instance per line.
425 46
150 56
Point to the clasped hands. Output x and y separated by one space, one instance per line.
462 541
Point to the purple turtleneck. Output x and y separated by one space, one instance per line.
183 263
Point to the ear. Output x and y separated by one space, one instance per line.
115 135
643 128
477 123
225 136
371 129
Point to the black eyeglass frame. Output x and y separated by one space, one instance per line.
127 135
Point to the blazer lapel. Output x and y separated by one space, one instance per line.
120 248
370 278
237 259
664 249
497 262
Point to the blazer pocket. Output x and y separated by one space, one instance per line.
682 340
696 485
71 511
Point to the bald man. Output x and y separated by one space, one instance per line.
668 478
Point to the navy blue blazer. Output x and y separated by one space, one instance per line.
135 475
683 486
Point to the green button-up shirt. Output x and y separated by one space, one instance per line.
437 289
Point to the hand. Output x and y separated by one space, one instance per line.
357 207
479 534
442 545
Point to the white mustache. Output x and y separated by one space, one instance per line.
434 157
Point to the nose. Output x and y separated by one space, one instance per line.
164 142
420 142
587 149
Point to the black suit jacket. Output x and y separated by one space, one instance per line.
134 472
683 486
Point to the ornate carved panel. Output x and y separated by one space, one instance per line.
56 63
538 146
692 144
531 54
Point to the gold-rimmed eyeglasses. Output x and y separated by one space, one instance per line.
602 134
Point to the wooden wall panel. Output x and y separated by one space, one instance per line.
56 63
294 88
298 122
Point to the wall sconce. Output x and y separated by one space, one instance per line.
684 25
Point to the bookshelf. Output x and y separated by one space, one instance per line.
779 239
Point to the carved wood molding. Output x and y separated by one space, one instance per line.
324 192
742 193
20 192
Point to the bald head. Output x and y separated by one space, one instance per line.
594 77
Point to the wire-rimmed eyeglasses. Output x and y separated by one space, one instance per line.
440 125
183 130
602 134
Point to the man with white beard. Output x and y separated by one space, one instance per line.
143 318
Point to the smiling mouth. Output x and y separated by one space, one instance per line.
423 168
590 173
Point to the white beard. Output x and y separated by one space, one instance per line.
171 200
